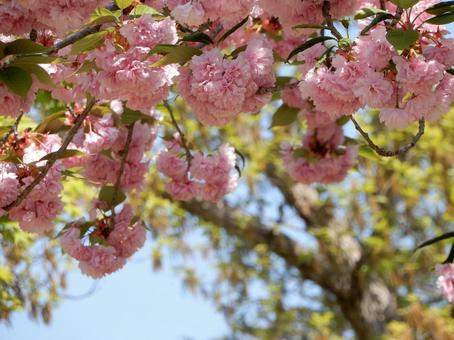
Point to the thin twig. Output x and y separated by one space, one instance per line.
124 156
326 9
264 90
391 153
180 133
382 5
13 129
72 38
69 137
397 16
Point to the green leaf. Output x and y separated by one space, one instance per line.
62 154
179 54
106 195
89 42
198 37
405 3
379 18
39 59
237 51
284 116
308 44
87 66
401 39
17 80
436 239
122 4
131 116
144 9
162 49
39 72
232 30
100 111
368 12
280 81
103 16
43 127
24 46
440 8
309 26
441 19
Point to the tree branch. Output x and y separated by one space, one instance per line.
326 9
180 133
72 38
124 156
390 153
264 90
55 156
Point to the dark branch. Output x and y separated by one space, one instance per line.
180 133
72 38
124 156
326 9
264 90
390 153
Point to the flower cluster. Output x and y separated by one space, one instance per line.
209 177
20 16
445 281
38 210
294 12
218 89
114 240
105 143
197 12
319 158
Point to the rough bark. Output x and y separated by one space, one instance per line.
366 303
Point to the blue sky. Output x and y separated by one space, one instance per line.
134 303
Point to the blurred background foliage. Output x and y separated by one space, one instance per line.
286 260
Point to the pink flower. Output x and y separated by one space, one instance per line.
184 190
218 89
321 160
417 75
102 260
374 49
294 12
190 13
100 169
170 164
445 281
126 237
130 76
61 15
16 20
9 185
71 244
11 105
146 32
373 90
214 168
103 134
37 212
443 53
329 92
396 118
